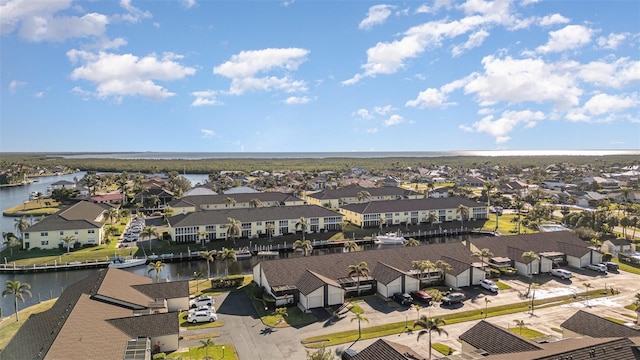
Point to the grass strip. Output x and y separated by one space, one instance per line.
526 332
9 326
442 349
216 351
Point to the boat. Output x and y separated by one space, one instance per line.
122 263
389 239
268 253
243 253
34 195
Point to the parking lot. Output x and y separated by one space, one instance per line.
255 341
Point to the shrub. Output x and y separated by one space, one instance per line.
494 273
159 356
228 282
508 271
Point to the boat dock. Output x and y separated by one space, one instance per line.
75 265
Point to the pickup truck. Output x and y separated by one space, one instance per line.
597 267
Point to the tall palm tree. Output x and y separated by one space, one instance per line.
270 227
383 220
234 229
205 345
149 232
10 240
68 240
518 204
463 211
20 224
432 217
444 267
488 187
231 202
360 269
360 317
586 294
209 256
157 267
255 203
18 290
363 195
202 236
303 224
520 324
226 256
197 275
412 242
486 306
430 325
530 257
123 181
125 213
305 246
483 254
351 246
112 214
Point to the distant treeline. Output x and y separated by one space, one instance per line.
206 166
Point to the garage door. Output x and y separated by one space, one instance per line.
574 261
316 301
463 279
335 299
394 289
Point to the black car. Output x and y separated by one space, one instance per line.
611 266
453 298
403 299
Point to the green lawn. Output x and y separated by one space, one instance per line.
9 326
442 349
626 267
295 317
502 286
526 332
214 352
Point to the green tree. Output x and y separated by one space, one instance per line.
112 214
10 240
68 240
363 195
21 224
18 290
351 246
360 269
305 246
282 312
520 324
157 267
320 354
586 294
149 232
226 256
303 224
412 242
255 203
209 256
270 227
360 317
205 345
430 325
202 236
234 229
464 213
486 306
483 254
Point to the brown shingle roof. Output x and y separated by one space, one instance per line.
118 286
592 325
496 340
563 241
164 290
579 349
311 281
148 325
387 350
385 274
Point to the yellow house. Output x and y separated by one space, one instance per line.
83 221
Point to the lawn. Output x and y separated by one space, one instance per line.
9 326
502 286
33 208
526 332
626 267
295 317
216 351
442 349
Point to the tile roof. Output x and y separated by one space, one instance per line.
199 200
164 290
376 207
352 191
387 350
496 340
586 323
579 349
118 286
148 325
512 246
335 266
250 215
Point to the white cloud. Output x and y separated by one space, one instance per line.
15 84
429 98
475 39
188 3
243 68
502 127
522 80
603 103
118 75
363 114
286 3
297 100
553 20
383 110
372 130
15 11
207 134
58 29
568 38
393 120
616 74
133 15
423 9
528 2
612 41
205 98
377 15
38 95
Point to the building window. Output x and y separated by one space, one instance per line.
61 233
44 242
26 236
91 231
44 233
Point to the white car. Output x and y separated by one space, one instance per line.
202 316
597 267
489 285
202 308
561 273
202 300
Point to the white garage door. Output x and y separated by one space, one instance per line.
463 279
392 289
335 299
574 261
315 302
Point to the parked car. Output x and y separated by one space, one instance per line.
489 285
561 273
202 316
422 297
453 298
202 300
597 267
202 308
611 266
403 298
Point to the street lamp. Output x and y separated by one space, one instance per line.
223 351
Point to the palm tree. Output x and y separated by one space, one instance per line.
488 187
205 345
202 236
303 224
149 232
21 224
363 195
197 275
483 254
125 213
486 306
430 325
360 269
305 246
10 240
432 218
382 221
412 242
112 214
636 302
254 203
360 317
520 324
418 308
68 240
463 211
18 290
351 246
270 227
110 230
209 256
234 229
444 267
534 286
586 294
157 267
226 256
230 201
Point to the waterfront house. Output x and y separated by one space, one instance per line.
111 314
245 200
616 246
189 226
412 211
84 221
336 198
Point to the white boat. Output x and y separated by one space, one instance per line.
121 263
268 253
389 239
243 253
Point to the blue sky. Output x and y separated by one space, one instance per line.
302 76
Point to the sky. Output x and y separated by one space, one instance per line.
319 76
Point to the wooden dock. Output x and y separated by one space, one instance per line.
75 265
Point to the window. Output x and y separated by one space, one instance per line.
61 233
44 233
91 231
44 242
26 236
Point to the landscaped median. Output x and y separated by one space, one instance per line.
377 331
266 310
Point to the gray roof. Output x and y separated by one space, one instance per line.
148 325
250 215
81 215
592 325
352 191
199 200
336 266
513 246
311 281
496 340
385 274
165 290
387 350
376 207
580 349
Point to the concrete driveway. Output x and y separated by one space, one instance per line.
255 341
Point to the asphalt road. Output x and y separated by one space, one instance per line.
255 341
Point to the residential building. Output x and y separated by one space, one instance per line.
194 203
84 221
336 198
